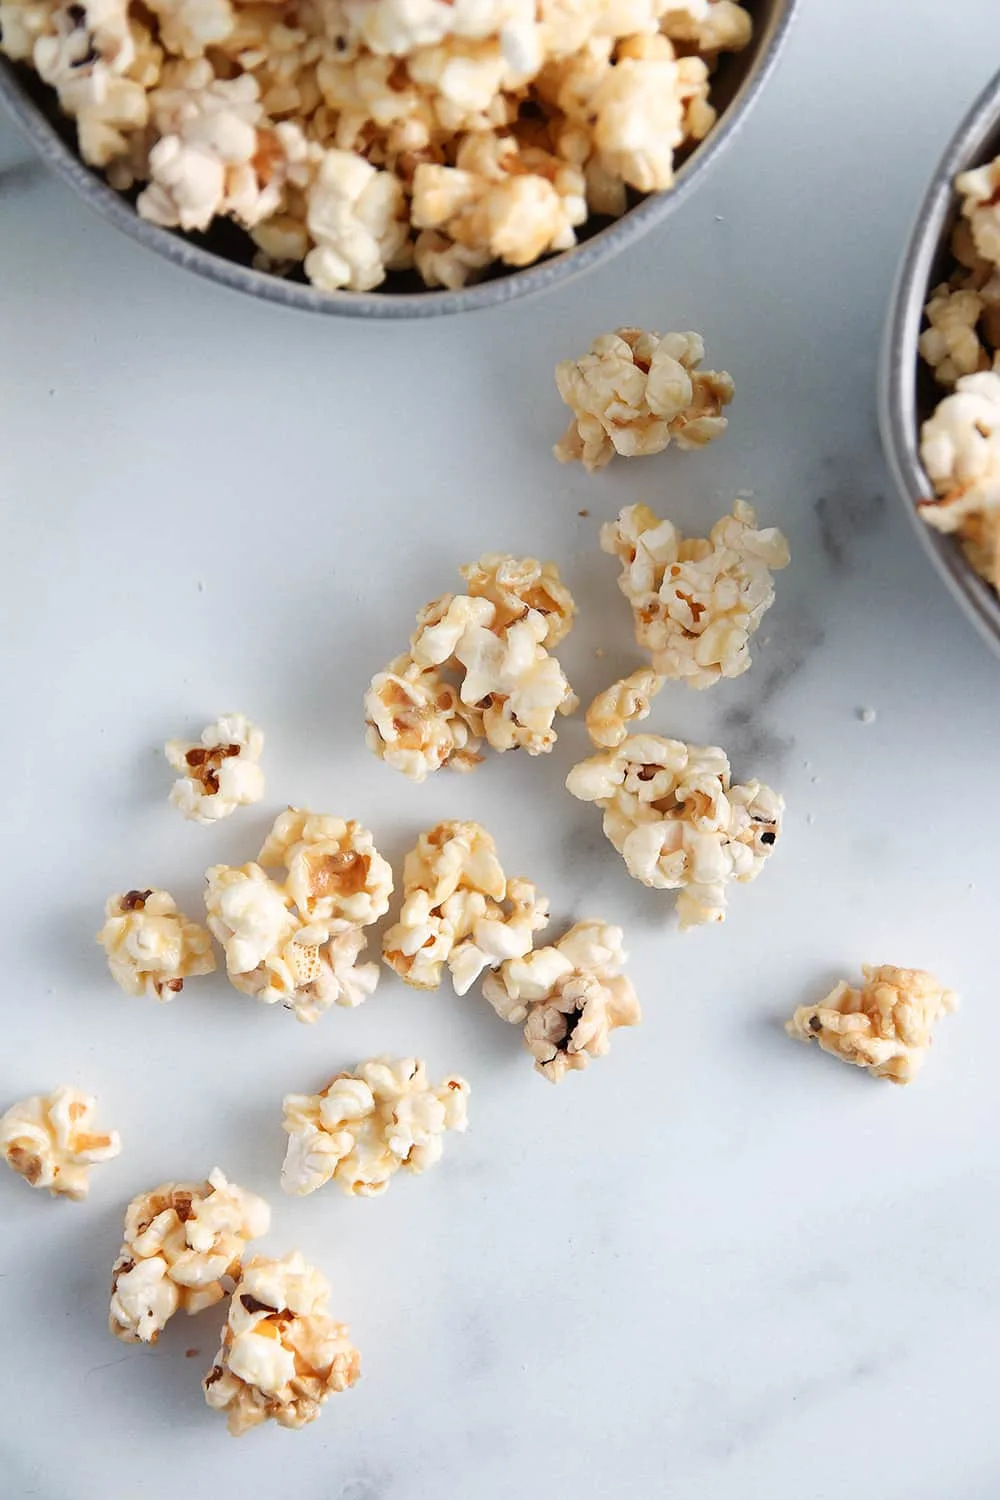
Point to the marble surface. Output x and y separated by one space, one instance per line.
719 1265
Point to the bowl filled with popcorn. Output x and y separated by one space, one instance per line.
385 157
940 378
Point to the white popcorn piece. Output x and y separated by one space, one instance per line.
960 449
151 946
712 27
334 873
188 27
282 1355
951 344
885 1026
696 601
634 393
511 688
182 1249
671 811
368 1124
219 773
356 221
50 1141
278 955
980 193
622 704
459 909
570 997
639 110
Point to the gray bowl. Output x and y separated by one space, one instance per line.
907 390
223 255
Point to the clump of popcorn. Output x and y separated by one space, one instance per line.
570 996
182 1250
357 138
151 946
298 941
696 601
885 1026
673 814
282 1354
503 686
219 774
980 193
50 1141
368 1124
622 704
960 449
635 393
950 344
459 909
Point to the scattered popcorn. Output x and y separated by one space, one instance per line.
570 996
221 773
511 688
459 909
620 705
334 873
298 943
151 946
674 816
182 1249
635 393
357 138
951 345
282 1354
50 1141
696 602
366 1125
885 1026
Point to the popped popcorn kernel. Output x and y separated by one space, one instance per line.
718 26
506 687
152 947
980 193
221 772
950 344
695 601
459 909
182 1248
960 449
50 1141
282 1355
885 1026
673 814
334 873
634 393
368 1124
622 704
570 997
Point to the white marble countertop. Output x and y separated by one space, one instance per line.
718 1265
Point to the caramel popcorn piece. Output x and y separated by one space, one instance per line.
622 704
459 909
219 774
282 1354
671 811
151 946
885 1026
334 873
695 601
960 449
570 996
635 393
950 344
50 1141
182 1249
368 1124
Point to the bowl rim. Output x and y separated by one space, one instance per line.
514 284
898 417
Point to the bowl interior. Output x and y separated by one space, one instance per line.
225 252
909 392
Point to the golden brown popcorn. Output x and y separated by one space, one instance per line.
282 1354
368 1124
459 909
334 873
696 601
951 344
151 946
620 705
50 1141
885 1026
417 723
219 774
182 1249
635 393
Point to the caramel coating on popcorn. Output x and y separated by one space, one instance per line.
885 1026
152 947
50 1140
